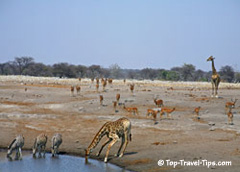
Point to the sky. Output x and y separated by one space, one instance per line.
134 34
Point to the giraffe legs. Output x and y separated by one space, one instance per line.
123 141
215 83
216 88
213 88
109 147
125 144
108 141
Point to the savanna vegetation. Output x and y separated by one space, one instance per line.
186 72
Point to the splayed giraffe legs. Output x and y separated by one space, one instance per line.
115 130
108 141
109 147
124 146
123 141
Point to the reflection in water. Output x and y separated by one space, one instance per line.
62 163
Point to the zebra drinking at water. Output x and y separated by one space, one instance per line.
40 145
56 142
17 145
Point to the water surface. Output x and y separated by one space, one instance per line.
61 163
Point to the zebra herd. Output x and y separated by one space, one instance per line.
39 146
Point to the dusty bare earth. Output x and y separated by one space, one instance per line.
31 106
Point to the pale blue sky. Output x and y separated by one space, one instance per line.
132 33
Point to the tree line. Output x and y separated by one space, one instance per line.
187 72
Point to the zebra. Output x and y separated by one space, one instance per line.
56 142
40 145
17 145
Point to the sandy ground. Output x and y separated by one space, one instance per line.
30 106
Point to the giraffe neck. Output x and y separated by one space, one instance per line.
213 68
98 137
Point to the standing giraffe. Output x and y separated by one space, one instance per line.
115 130
215 78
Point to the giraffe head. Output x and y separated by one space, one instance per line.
211 58
87 152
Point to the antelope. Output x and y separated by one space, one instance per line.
97 81
56 142
72 90
101 99
230 117
102 80
158 102
133 110
80 79
231 104
110 81
166 110
196 110
132 88
117 97
114 105
153 113
17 145
40 145
78 88
97 87
116 130
124 81
104 84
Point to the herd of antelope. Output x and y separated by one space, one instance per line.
123 125
116 130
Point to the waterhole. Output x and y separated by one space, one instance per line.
61 163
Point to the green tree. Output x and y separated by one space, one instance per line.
187 72
22 63
172 76
237 77
115 71
227 73
148 73
63 70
